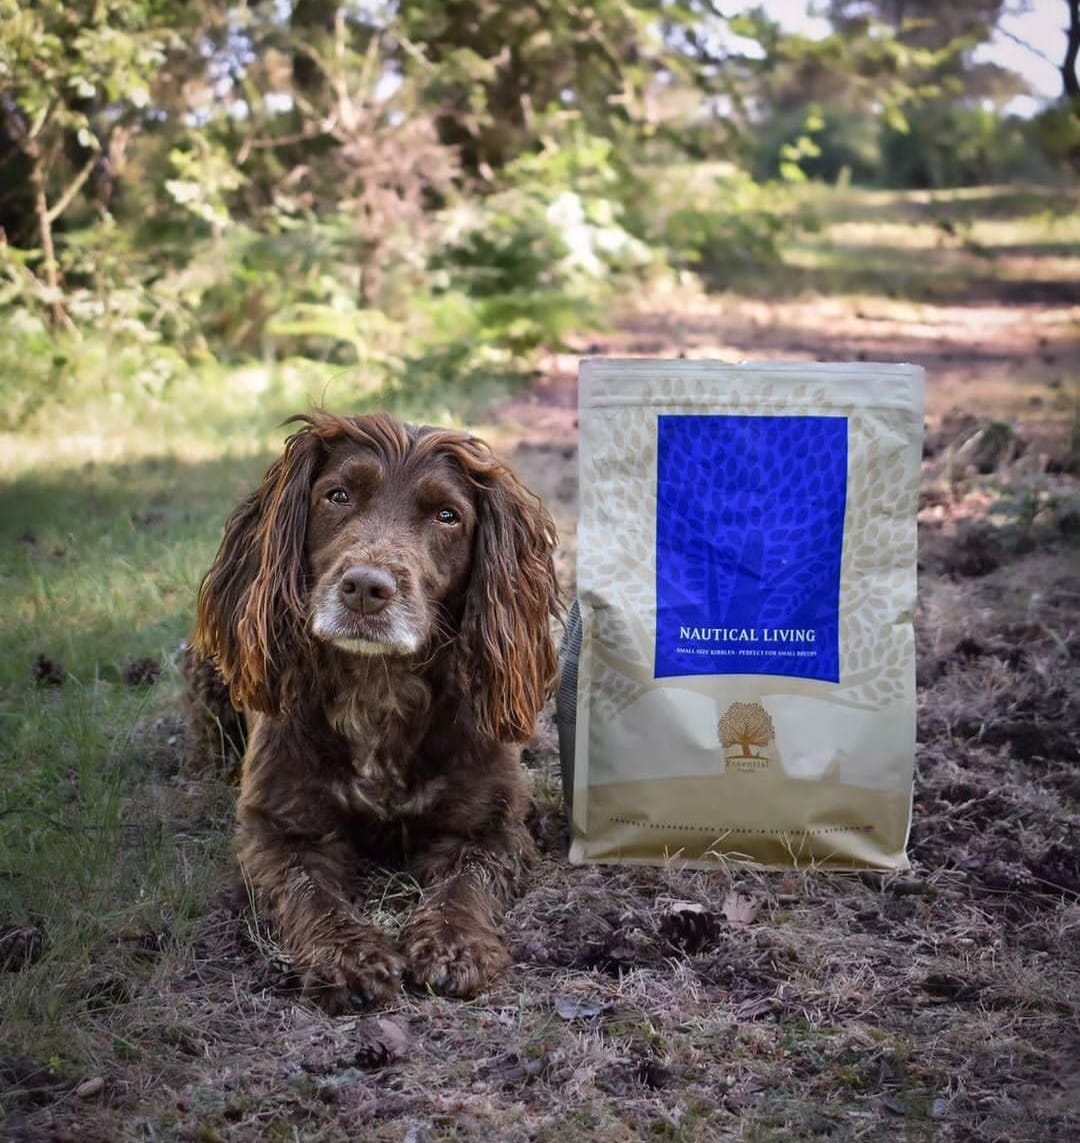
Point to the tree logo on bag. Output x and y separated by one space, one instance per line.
744 726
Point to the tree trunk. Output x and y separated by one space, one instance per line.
32 150
1069 78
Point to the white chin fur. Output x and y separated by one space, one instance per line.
367 647
393 634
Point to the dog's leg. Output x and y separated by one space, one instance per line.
452 942
302 885
215 730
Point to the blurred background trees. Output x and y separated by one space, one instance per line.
411 187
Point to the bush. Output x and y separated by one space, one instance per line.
1056 132
538 255
720 225
952 145
846 145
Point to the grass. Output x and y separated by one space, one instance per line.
98 562
112 496
931 1007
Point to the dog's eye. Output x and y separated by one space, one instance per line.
337 496
448 516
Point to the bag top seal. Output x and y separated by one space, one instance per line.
609 381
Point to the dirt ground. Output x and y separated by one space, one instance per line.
940 1004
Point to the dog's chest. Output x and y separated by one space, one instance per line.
383 732
378 787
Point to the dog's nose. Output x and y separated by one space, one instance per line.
367 589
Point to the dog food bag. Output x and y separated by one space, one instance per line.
745 684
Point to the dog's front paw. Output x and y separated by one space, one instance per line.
362 973
456 958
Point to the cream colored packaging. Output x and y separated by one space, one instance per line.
746 581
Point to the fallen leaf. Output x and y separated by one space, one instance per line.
740 910
380 1041
89 1088
578 1008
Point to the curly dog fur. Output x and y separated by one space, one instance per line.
378 611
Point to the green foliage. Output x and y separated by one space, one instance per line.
831 144
73 83
894 99
719 243
313 184
496 70
1056 132
512 246
57 54
537 254
945 144
938 143
719 223
511 259
248 291
204 178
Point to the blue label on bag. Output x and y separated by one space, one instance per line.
749 534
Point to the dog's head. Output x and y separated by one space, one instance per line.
382 539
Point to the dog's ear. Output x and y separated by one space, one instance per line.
507 660
252 612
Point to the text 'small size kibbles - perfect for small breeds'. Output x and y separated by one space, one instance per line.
745 684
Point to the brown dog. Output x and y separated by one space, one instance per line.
379 610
